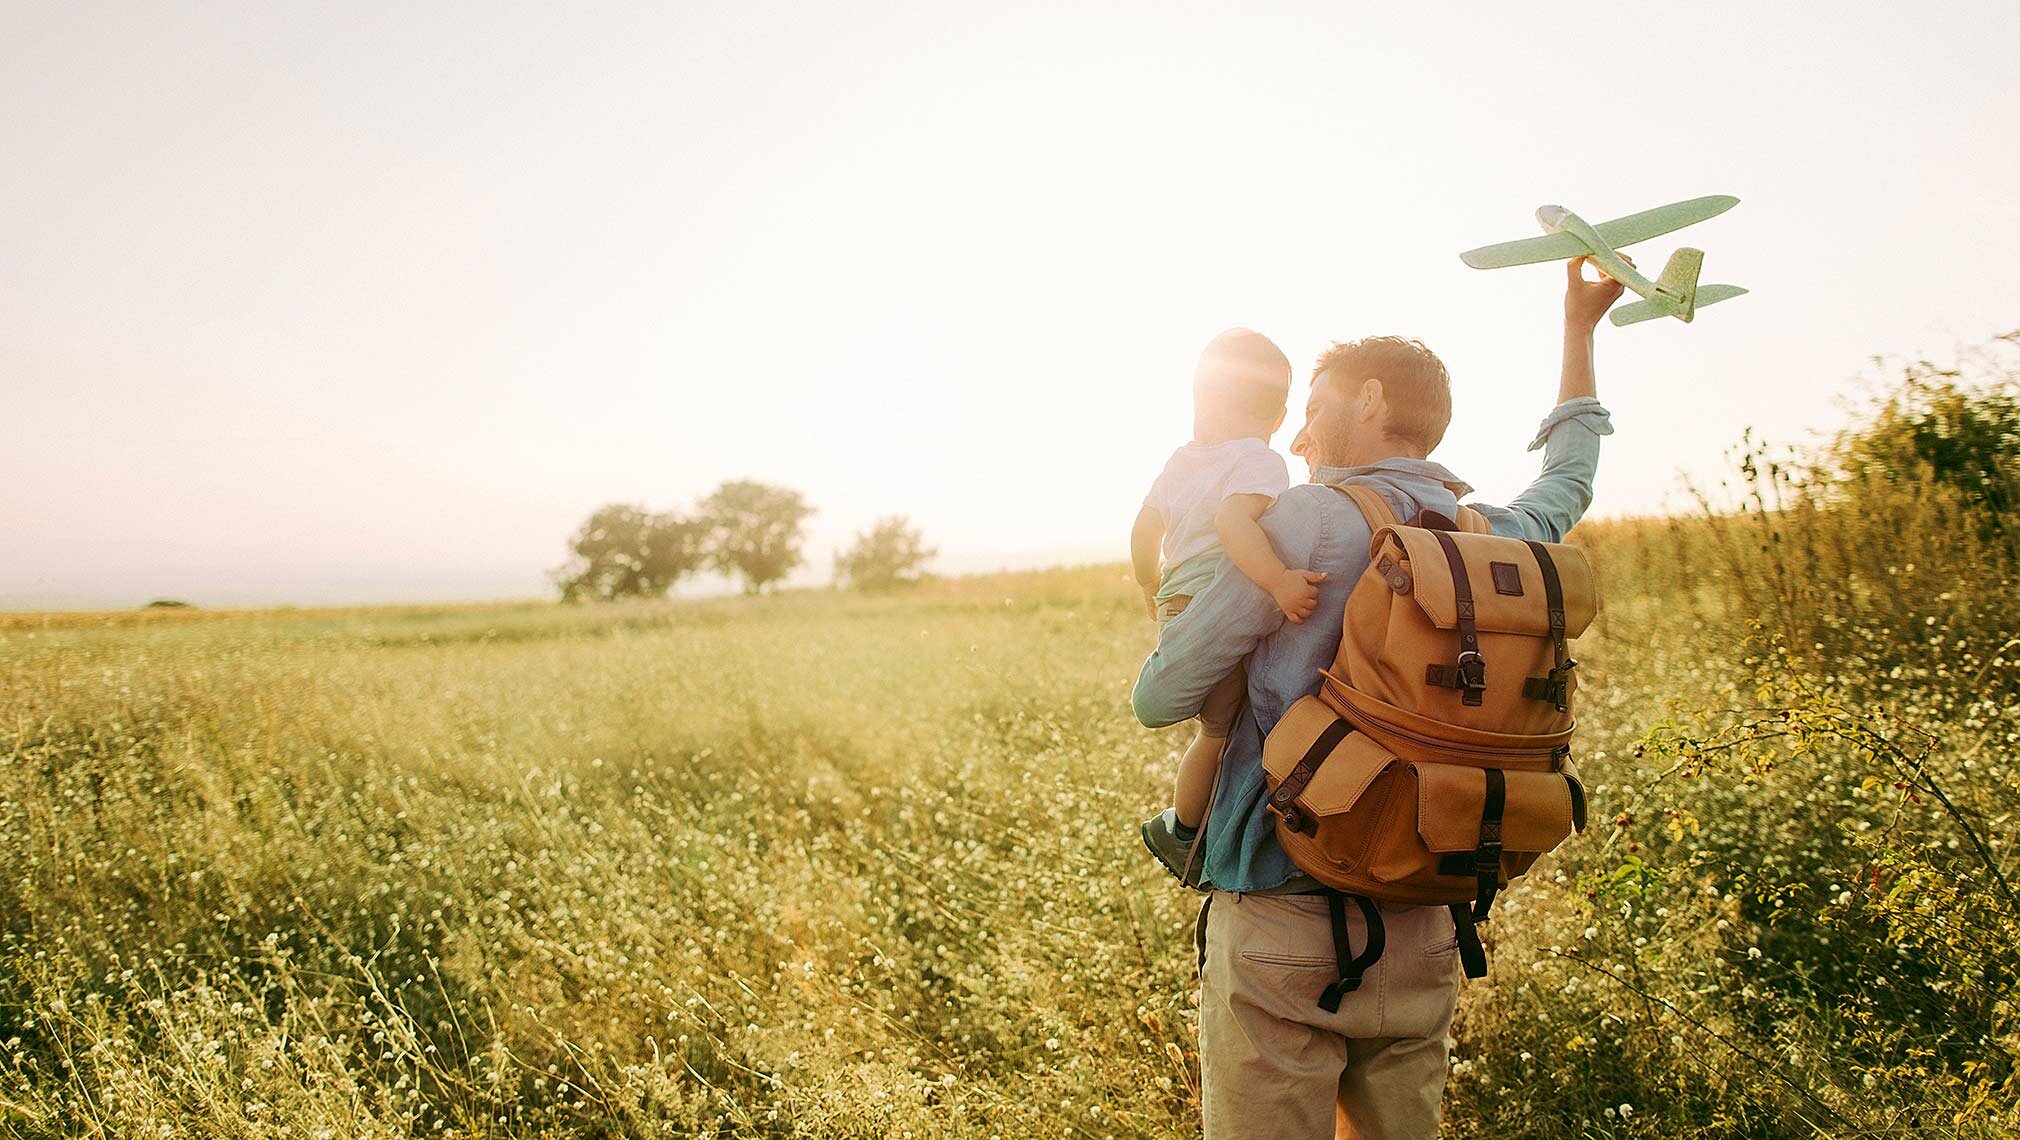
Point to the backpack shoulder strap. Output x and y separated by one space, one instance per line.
1379 514
1373 506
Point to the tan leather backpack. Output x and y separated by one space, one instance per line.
1434 764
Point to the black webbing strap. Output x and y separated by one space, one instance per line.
1456 863
1469 674
1487 856
1199 933
1350 965
1284 799
1555 688
1471 954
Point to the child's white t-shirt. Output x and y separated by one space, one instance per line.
1188 493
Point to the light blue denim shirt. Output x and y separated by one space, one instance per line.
1317 528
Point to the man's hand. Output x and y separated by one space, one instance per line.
1587 301
1149 598
1584 303
1297 594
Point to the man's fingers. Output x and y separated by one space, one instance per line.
1575 269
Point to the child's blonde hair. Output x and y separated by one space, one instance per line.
1241 383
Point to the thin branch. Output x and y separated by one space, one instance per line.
1772 1070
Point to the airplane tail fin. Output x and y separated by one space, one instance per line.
1679 278
1677 292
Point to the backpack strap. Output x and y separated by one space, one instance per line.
1351 965
1373 506
1284 801
1556 687
1469 673
1471 953
1379 513
1199 931
1487 856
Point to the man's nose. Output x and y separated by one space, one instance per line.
1300 443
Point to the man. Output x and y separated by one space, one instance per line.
1273 1064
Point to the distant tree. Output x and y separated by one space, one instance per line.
167 604
754 531
890 554
626 551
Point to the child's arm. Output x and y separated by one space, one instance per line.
1241 535
1144 539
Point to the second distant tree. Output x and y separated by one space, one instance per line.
754 531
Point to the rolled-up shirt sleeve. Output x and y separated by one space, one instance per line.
1553 504
1222 624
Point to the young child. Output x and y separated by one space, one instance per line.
1207 501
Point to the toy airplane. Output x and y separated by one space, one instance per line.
1674 292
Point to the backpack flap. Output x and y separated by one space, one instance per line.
1539 809
1317 766
1536 811
1506 580
1490 824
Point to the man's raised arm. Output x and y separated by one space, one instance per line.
1569 436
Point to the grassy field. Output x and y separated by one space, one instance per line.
839 865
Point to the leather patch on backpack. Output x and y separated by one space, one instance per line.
1507 578
1393 574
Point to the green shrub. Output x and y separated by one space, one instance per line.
1801 919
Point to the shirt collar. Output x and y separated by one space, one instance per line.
1398 465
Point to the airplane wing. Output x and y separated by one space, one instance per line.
1549 247
1662 219
1617 233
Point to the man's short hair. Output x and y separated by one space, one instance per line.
1414 380
1243 380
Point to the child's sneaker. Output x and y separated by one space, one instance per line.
1160 835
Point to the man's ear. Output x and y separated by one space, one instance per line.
1372 402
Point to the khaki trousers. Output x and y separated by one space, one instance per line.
1273 1064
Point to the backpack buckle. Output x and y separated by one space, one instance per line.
1294 817
1555 687
1472 672
1301 821
1468 675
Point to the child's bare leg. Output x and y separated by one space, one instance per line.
1197 771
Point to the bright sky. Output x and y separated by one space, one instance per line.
360 302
